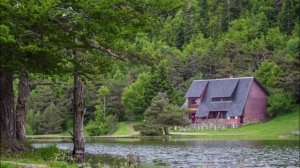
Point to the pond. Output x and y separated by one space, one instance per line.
198 153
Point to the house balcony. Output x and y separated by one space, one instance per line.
233 121
193 106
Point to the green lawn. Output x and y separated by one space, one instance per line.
280 127
126 128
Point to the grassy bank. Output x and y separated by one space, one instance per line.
280 127
126 128
41 158
51 156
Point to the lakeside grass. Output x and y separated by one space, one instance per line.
126 128
51 156
41 158
280 127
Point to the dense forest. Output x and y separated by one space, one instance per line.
122 54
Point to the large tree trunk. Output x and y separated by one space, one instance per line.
78 140
7 113
21 108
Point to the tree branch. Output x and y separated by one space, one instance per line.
46 83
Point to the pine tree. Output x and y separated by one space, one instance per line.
163 114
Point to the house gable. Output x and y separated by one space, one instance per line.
233 92
256 103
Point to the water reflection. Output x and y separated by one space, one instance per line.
204 153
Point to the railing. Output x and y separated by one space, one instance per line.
210 124
193 106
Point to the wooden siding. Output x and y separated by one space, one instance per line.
256 104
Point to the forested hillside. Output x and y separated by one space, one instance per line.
197 40
191 40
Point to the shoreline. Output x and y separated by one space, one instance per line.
172 136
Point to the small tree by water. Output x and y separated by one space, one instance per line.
163 114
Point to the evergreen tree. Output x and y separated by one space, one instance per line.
163 114
50 121
288 15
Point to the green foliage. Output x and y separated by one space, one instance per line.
281 103
48 121
163 114
8 165
51 120
102 124
148 130
275 40
49 156
288 15
5 36
125 128
151 130
267 74
103 91
28 129
161 81
49 152
28 46
135 97
94 129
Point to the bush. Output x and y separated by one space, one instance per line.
147 130
151 131
101 127
139 127
95 129
280 102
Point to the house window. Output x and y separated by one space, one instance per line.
217 114
213 114
223 114
216 99
194 101
220 99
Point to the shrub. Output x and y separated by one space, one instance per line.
280 102
139 127
102 126
95 129
151 131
